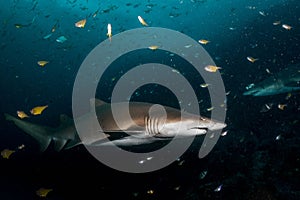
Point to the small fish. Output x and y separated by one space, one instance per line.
175 71
268 71
153 47
177 188
276 23
150 192
224 133
142 21
109 33
43 192
38 110
251 59
282 106
54 27
289 95
6 153
188 46
204 85
202 175
202 41
47 36
262 13
212 68
287 27
210 109
42 63
96 13
219 188
278 137
22 146
61 39
18 25
22 114
81 23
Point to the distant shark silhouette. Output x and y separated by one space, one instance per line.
285 81
143 128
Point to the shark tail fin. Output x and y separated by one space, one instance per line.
40 133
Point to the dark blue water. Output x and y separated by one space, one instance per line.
249 162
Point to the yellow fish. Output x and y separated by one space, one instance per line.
212 68
80 24
153 47
22 114
142 21
150 192
6 153
109 33
282 106
202 41
42 63
38 110
43 192
251 59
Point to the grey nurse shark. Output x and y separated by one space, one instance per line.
288 80
143 128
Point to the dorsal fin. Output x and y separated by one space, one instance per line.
97 102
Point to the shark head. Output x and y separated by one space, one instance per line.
189 125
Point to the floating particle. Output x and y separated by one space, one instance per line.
43 192
6 153
276 23
81 23
203 41
142 21
42 63
22 114
38 110
212 68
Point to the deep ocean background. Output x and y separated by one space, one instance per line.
248 162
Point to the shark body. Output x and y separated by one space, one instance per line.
146 125
285 81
